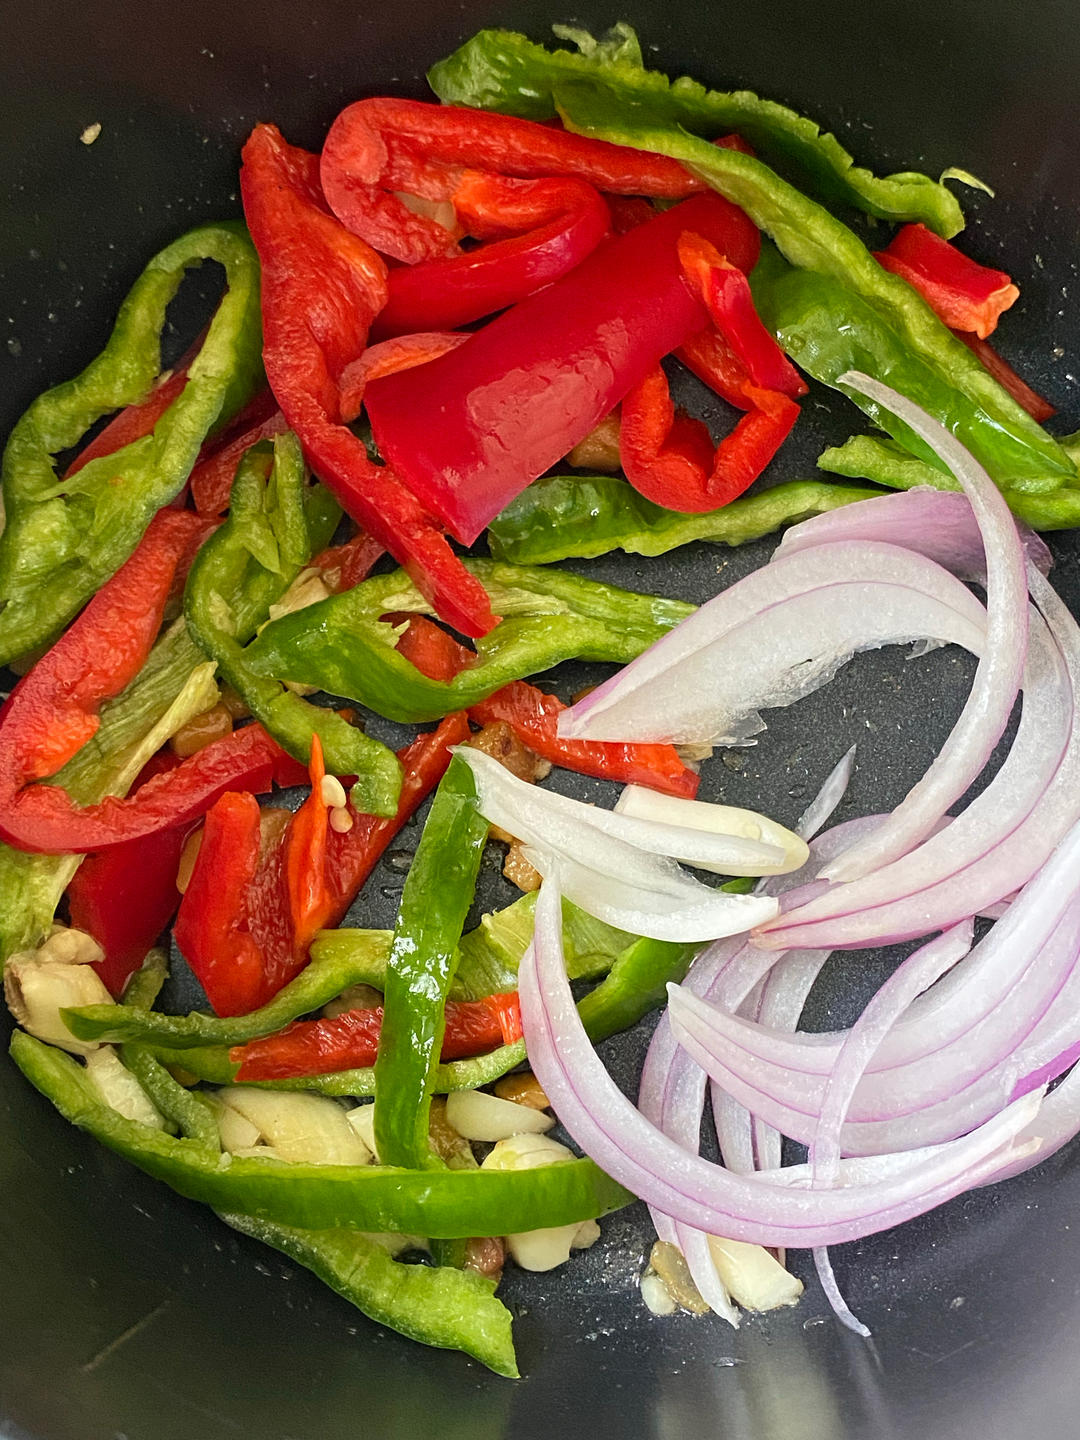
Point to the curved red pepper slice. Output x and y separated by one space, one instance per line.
351 1040
379 146
1036 405
565 219
670 459
322 286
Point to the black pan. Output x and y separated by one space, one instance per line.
129 1314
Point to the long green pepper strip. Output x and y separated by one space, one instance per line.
341 645
499 70
449 1309
588 515
447 1204
882 460
1018 450
64 538
423 956
275 525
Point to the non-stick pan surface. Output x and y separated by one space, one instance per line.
127 1313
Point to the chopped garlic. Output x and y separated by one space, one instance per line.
655 1294
540 1249
479 1116
38 984
119 1088
753 1275
299 1127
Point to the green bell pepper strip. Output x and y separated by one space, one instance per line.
446 1204
636 984
275 525
446 1308
886 463
500 70
827 329
173 685
813 240
64 537
144 986
186 1111
342 646
423 958
584 516
330 971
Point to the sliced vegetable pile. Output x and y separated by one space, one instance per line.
275 517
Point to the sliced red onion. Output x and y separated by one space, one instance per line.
997 678
961 1032
775 636
693 1191
915 975
820 809
996 844
687 917
939 524
675 812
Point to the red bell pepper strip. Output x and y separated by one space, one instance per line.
53 712
963 293
427 646
322 287
211 928
381 146
352 856
351 1040
387 358
305 858
725 293
125 897
131 423
212 478
344 566
565 220
470 430
534 716
1035 404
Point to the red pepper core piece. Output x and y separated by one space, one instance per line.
379 148
963 293
321 288
473 428
534 716
351 1040
1035 404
